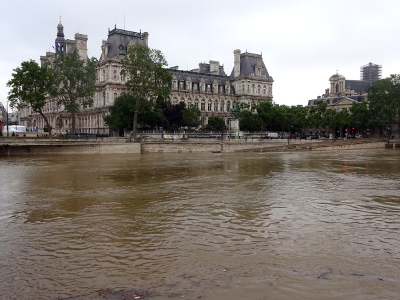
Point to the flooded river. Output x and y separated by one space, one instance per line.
201 226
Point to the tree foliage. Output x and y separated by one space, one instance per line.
215 123
265 111
75 83
147 77
30 86
384 99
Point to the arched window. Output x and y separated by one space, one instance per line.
209 105
264 90
258 90
196 103
175 101
215 105
203 105
253 89
337 88
189 103
221 108
228 106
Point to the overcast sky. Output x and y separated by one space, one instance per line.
302 42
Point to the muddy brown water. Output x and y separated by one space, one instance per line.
201 226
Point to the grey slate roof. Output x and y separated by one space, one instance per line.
333 100
205 68
248 62
119 39
358 85
197 76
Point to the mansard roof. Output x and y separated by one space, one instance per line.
205 68
358 85
198 76
119 39
248 62
334 100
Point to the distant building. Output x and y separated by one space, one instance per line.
343 92
370 72
209 88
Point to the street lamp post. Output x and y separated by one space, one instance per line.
7 120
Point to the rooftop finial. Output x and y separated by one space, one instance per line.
115 26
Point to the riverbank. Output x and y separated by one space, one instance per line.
43 146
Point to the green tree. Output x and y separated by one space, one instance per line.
316 115
173 115
299 116
121 112
215 123
249 121
361 116
342 119
329 120
265 111
384 100
147 77
75 83
282 118
191 116
30 86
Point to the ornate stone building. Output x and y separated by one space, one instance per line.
208 87
343 92
215 93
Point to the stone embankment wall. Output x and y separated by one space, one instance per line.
119 146
15 148
256 146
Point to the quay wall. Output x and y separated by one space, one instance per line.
253 146
68 149
121 146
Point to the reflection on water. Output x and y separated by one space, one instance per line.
277 225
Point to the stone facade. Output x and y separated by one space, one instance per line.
214 93
342 93
208 87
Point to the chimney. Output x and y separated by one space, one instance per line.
236 68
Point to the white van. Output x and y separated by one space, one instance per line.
14 128
273 135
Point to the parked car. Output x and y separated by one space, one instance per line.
145 136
